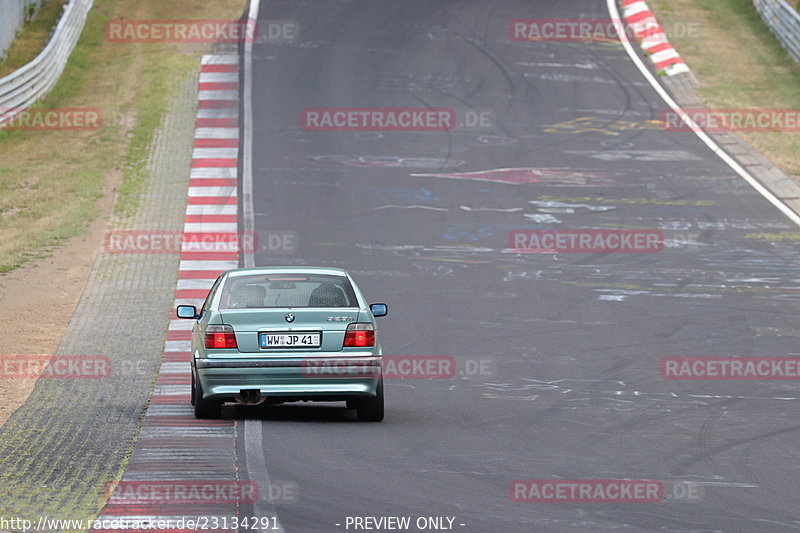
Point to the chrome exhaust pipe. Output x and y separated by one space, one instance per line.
250 397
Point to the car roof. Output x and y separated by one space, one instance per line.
330 271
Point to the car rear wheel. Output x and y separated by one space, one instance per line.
204 408
371 409
193 387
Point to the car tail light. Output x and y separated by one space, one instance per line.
359 335
220 337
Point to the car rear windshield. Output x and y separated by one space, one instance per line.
287 290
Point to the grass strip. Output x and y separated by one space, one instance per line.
52 181
739 64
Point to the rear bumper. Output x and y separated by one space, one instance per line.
320 378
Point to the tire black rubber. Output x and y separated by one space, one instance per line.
205 408
371 409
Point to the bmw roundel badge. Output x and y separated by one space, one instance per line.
289 317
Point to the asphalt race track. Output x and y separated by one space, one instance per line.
557 355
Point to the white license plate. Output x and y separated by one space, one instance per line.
290 340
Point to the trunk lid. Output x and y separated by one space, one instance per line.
331 322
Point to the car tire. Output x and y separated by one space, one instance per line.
371 409
204 408
193 386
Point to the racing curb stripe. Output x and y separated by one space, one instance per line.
209 227
210 217
216 143
217 104
213 182
201 173
650 34
217 133
176 324
214 152
222 85
219 68
213 163
219 122
212 200
227 193
173 445
178 335
221 255
200 274
192 284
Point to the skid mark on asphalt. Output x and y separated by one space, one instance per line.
551 176
414 195
718 271
637 155
629 398
388 161
605 126
570 207
556 65
427 207
493 209
542 218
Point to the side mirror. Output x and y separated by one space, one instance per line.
187 311
379 309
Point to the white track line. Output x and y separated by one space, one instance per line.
257 469
766 193
248 218
253 445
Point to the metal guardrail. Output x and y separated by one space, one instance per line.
784 21
23 87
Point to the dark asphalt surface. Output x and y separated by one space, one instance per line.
571 343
